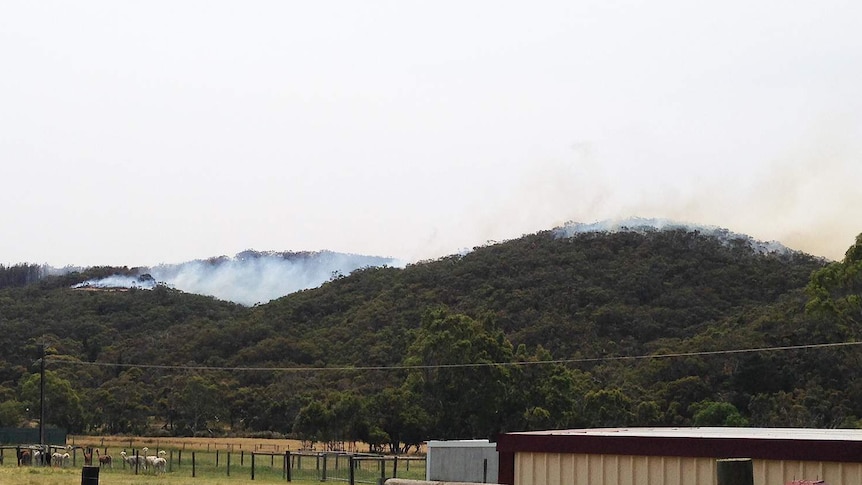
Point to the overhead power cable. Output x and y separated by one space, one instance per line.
55 360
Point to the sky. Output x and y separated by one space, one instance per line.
142 133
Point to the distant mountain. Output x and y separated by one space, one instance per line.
253 277
607 327
250 277
643 225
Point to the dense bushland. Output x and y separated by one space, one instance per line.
389 356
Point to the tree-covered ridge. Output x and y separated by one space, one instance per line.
458 347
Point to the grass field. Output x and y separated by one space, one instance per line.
72 476
217 461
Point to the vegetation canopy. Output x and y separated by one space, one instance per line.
535 333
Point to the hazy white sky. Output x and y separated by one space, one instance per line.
138 133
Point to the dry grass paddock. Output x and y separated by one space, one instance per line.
200 444
72 476
207 450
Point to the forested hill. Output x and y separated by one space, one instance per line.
595 300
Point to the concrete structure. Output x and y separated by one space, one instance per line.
677 456
462 461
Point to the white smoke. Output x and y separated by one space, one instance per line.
641 225
250 277
144 282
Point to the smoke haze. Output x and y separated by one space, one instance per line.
250 277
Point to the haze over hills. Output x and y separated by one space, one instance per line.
250 277
597 300
253 277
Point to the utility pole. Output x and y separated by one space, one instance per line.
42 398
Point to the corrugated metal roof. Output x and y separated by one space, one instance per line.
711 432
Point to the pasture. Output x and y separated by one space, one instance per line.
226 461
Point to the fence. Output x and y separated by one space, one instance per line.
354 468
300 466
266 466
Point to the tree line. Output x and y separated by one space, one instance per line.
535 333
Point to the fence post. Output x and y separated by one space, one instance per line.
737 471
323 470
395 467
179 458
383 468
287 465
171 461
228 463
252 466
241 457
193 464
216 457
351 475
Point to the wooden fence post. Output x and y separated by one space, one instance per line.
228 463
252 466
287 465
193 464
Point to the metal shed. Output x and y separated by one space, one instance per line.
677 456
462 461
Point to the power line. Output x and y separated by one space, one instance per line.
455 366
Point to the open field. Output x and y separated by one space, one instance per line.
201 444
225 461
72 476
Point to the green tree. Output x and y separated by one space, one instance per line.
119 404
464 376
712 413
836 290
199 404
62 404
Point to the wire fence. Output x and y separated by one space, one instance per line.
264 466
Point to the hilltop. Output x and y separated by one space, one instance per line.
592 304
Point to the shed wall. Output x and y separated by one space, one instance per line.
464 461
592 469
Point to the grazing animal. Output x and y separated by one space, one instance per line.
104 460
133 460
151 460
159 464
88 456
24 457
